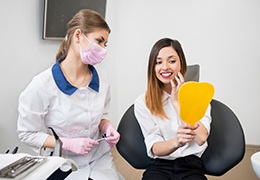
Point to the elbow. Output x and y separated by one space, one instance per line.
155 151
200 141
162 149
20 136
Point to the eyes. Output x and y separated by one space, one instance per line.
100 41
170 61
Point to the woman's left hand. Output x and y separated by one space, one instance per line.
176 84
112 136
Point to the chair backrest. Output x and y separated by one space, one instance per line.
193 73
131 144
226 143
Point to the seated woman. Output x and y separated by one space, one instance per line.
174 146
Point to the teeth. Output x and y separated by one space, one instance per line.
166 74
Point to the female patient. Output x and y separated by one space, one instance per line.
174 146
73 98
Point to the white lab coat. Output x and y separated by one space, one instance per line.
51 100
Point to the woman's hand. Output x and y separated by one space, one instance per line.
78 145
112 136
176 84
186 133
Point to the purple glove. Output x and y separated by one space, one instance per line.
78 145
112 136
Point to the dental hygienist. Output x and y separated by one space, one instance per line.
73 98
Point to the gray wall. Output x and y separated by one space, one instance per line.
222 36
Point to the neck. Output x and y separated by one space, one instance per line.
78 74
167 88
74 67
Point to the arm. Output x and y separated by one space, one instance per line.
164 148
49 142
201 134
102 123
199 129
149 126
204 127
163 142
185 134
76 145
32 107
106 127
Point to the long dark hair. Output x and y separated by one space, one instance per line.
153 97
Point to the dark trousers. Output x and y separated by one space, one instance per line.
185 168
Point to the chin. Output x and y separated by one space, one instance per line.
166 82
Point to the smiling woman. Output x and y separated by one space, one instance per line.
166 56
169 141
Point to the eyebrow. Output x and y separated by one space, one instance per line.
101 37
169 57
172 56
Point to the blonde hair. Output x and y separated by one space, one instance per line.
154 93
87 21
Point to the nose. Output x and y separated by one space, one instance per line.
165 65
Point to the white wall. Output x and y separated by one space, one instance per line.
222 36
23 54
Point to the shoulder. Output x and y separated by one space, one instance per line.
140 102
43 74
140 99
43 77
38 82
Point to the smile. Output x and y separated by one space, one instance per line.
166 74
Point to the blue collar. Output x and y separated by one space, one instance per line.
65 86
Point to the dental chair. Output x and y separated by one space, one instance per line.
226 142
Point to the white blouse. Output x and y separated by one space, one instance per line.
156 129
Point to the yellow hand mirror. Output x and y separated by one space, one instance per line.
194 98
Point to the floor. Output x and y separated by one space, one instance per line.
243 171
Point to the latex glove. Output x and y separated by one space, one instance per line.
78 145
112 136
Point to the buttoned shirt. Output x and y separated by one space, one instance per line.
50 100
156 129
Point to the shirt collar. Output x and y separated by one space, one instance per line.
165 96
68 88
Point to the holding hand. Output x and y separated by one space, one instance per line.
78 145
112 136
186 133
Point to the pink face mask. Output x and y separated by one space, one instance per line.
94 55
